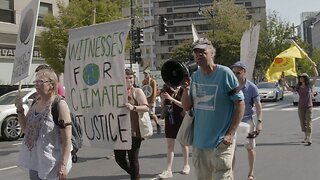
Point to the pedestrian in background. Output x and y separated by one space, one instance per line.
218 109
137 102
251 99
173 115
149 86
305 90
46 147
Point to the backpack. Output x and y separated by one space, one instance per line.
76 138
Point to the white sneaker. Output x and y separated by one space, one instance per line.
186 169
166 174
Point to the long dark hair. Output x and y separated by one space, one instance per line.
306 81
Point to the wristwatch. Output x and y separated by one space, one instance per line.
259 120
134 108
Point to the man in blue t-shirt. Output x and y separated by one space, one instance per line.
218 109
252 98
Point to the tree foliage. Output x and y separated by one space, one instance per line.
54 39
183 52
275 37
228 22
273 40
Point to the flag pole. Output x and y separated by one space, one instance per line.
301 50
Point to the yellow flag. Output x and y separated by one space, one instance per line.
303 53
285 62
279 65
292 52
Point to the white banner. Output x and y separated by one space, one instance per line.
25 42
248 49
95 83
195 34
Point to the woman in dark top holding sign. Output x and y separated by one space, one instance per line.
137 102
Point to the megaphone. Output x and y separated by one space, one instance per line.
174 73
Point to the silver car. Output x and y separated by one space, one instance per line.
10 127
315 98
270 91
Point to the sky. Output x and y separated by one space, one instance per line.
290 10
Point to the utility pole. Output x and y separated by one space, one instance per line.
94 12
131 32
94 15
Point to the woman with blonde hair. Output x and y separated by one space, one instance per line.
46 148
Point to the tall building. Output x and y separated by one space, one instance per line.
315 32
180 14
307 19
10 12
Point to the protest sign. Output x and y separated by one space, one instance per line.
25 42
95 83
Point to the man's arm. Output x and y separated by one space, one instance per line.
258 107
236 119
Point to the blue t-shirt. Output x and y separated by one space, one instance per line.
251 95
213 107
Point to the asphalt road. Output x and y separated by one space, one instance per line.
280 155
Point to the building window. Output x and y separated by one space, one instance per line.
45 8
247 4
146 12
6 11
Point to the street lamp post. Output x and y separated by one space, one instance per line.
131 32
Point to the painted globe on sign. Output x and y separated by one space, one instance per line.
91 74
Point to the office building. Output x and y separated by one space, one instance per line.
10 12
315 32
180 14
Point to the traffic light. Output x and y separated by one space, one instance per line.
137 37
163 26
137 57
140 35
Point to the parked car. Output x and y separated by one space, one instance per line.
270 91
316 95
10 127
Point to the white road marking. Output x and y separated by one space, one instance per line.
6 168
279 107
316 119
16 144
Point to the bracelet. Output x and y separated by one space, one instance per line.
20 110
260 121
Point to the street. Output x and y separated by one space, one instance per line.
280 155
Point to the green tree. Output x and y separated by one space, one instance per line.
228 23
183 52
274 38
53 40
